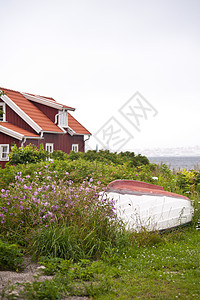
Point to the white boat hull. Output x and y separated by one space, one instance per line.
151 210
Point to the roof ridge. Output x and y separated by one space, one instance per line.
1 88
11 90
35 95
51 99
45 97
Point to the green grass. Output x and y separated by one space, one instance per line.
169 268
166 271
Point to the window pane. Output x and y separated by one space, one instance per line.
49 148
4 150
75 147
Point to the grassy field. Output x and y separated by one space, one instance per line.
53 213
157 266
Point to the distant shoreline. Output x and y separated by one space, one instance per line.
177 162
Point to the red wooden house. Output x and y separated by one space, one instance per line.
27 118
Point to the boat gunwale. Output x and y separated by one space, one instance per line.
141 193
139 188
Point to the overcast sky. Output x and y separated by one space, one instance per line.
95 55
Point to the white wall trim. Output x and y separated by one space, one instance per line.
17 135
12 133
21 113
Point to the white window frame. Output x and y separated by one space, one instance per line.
3 118
75 147
49 147
4 154
63 118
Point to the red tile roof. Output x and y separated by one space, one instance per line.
32 111
76 126
19 130
39 117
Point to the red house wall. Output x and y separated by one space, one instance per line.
61 142
13 118
50 112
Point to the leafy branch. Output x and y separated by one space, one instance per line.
2 93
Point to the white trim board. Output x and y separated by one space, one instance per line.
21 113
16 134
46 102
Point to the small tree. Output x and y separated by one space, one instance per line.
28 154
2 93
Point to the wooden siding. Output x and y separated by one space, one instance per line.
50 112
13 118
6 139
61 142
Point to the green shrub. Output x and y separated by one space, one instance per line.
47 289
104 156
28 154
11 257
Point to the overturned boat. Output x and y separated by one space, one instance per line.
146 206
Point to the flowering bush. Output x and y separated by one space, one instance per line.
189 180
28 204
32 207
79 170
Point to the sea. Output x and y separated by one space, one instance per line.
178 162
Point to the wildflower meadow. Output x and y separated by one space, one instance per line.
53 211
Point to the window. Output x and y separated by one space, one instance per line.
4 151
75 147
49 147
2 112
62 119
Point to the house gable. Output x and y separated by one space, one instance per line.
15 119
16 108
29 112
39 120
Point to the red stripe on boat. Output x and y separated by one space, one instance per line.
140 188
